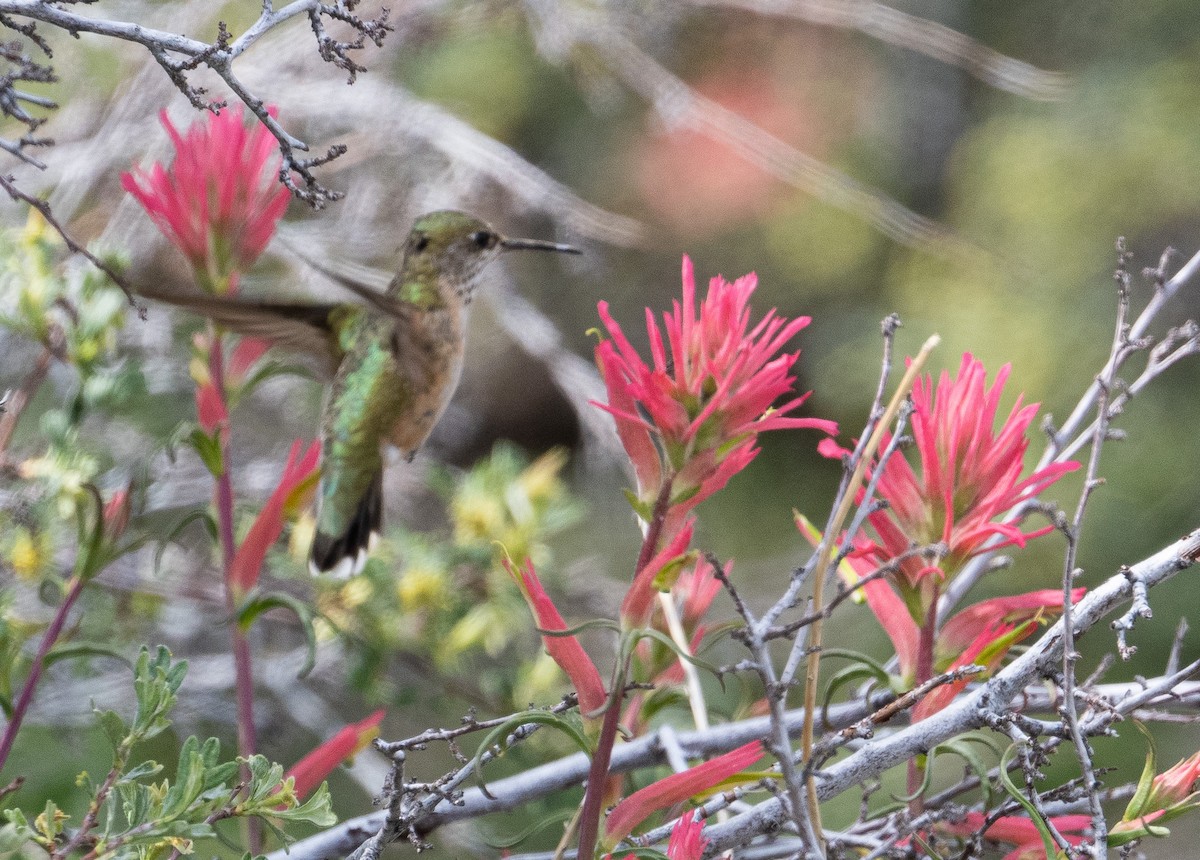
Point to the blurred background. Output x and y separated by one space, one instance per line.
968 166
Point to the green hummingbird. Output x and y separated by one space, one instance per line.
393 361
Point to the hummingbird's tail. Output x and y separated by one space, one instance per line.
344 555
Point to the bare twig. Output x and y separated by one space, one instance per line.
43 209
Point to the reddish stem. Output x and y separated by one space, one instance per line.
925 647
243 672
593 798
35 671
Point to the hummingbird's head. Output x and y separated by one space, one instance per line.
451 248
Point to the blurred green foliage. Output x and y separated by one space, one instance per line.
130 816
443 599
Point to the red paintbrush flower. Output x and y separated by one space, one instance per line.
311 770
1021 832
295 489
971 475
687 840
220 200
564 650
691 418
636 808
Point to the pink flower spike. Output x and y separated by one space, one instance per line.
639 599
697 587
220 200
640 805
312 770
687 841
961 630
1175 785
244 356
707 391
970 473
115 515
210 409
1021 832
296 485
564 650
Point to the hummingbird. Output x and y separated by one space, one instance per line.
393 361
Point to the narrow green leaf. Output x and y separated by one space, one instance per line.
1137 803
72 650
1016 794
498 735
209 449
258 603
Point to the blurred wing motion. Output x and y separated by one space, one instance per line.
307 329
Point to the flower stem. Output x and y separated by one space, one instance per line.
925 645
243 672
593 798
39 661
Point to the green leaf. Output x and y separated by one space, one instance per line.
189 780
114 727
49 825
155 683
1016 794
499 735
141 771
257 603
202 515
316 810
13 840
209 449
962 748
72 650
633 636
542 822
864 667
1137 803
267 370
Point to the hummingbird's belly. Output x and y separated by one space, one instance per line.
430 396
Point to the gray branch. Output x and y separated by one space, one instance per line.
987 705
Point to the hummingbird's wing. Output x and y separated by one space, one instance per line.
372 296
304 328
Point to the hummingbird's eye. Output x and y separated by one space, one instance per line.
420 242
483 239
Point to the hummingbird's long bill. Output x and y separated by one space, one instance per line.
536 245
